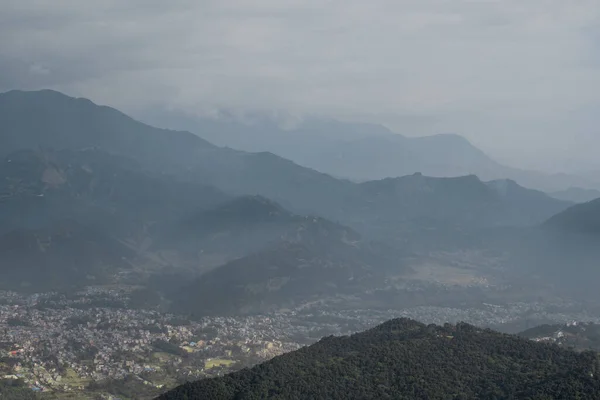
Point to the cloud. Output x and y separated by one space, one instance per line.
510 75
36 69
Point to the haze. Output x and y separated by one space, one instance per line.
286 199
518 79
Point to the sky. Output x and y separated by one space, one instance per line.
520 79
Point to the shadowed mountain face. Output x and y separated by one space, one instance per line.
406 359
59 256
284 276
526 206
309 259
120 209
246 225
416 203
49 119
93 187
79 217
581 218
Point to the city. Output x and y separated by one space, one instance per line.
90 342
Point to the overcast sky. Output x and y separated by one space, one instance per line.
519 78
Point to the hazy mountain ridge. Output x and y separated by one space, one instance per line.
288 274
530 206
286 260
246 225
406 359
359 151
187 157
63 122
576 195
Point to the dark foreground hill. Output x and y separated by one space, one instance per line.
403 359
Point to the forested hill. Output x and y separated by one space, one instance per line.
404 359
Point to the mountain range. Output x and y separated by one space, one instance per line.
404 359
62 122
254 230
358 151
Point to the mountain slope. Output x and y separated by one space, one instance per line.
243 226
61 255
393 155
420 202
348 149
298 259
406 359
581 218
93 187
528 206
359 151
50 119
71 218
256 132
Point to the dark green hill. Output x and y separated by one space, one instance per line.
403 359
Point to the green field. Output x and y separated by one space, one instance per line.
162 356
72 379
218 362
